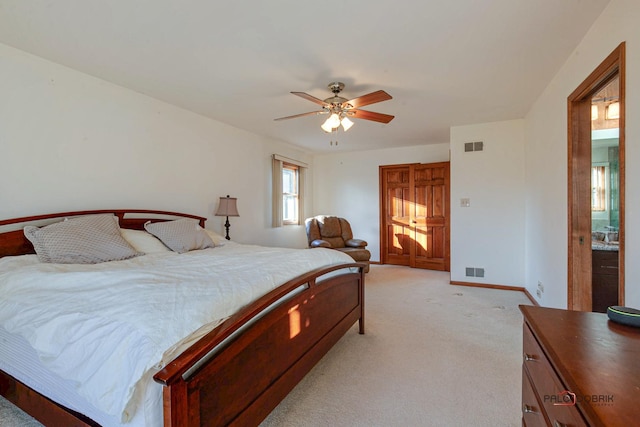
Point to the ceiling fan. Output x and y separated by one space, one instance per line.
341 109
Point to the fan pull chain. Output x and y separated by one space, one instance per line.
332 143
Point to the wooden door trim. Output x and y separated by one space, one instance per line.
578 110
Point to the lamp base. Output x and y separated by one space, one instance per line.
226 226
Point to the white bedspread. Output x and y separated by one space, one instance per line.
104 326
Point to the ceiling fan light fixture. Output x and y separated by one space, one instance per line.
334 120
326 126
346 123
331 123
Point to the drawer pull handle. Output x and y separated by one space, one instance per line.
557 423
528 409
530 357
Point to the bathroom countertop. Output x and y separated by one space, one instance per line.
597 245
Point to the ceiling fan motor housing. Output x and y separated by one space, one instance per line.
336 87
336 102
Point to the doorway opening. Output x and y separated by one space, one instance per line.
596 148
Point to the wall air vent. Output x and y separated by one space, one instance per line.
473 146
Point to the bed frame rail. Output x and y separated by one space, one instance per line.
232 378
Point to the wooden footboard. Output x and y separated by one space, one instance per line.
239 372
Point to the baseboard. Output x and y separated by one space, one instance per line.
502 287
531 298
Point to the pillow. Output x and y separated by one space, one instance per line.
143 242
180 235
89 239
218 240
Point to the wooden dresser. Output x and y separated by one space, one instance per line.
579 369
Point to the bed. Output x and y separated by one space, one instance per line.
231 370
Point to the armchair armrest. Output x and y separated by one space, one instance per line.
319 243
355 243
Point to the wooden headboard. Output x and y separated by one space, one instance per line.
15 243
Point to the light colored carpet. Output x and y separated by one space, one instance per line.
10 416
433 354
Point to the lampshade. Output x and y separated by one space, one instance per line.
326 126
334 121
346 123
227 207
594 112
331 123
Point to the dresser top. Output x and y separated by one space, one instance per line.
595 358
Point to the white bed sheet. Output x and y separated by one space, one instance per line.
107 328
19 359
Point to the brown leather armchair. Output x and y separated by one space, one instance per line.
335 233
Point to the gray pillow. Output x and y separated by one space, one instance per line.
87 239
180 235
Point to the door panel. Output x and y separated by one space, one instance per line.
396 217
430 216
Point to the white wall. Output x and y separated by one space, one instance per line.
69 141
347 185
546 156
489 233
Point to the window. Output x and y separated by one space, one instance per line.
288 189
599 188
289 194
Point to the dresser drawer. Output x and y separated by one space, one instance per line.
532 415
555 400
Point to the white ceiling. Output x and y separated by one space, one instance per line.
446 62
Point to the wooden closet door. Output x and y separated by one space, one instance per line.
430 216
415 215
396 216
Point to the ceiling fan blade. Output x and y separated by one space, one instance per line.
311 113
310 98
370 115
370 98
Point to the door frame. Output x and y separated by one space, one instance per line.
579 280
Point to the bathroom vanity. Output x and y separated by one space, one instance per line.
604 270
